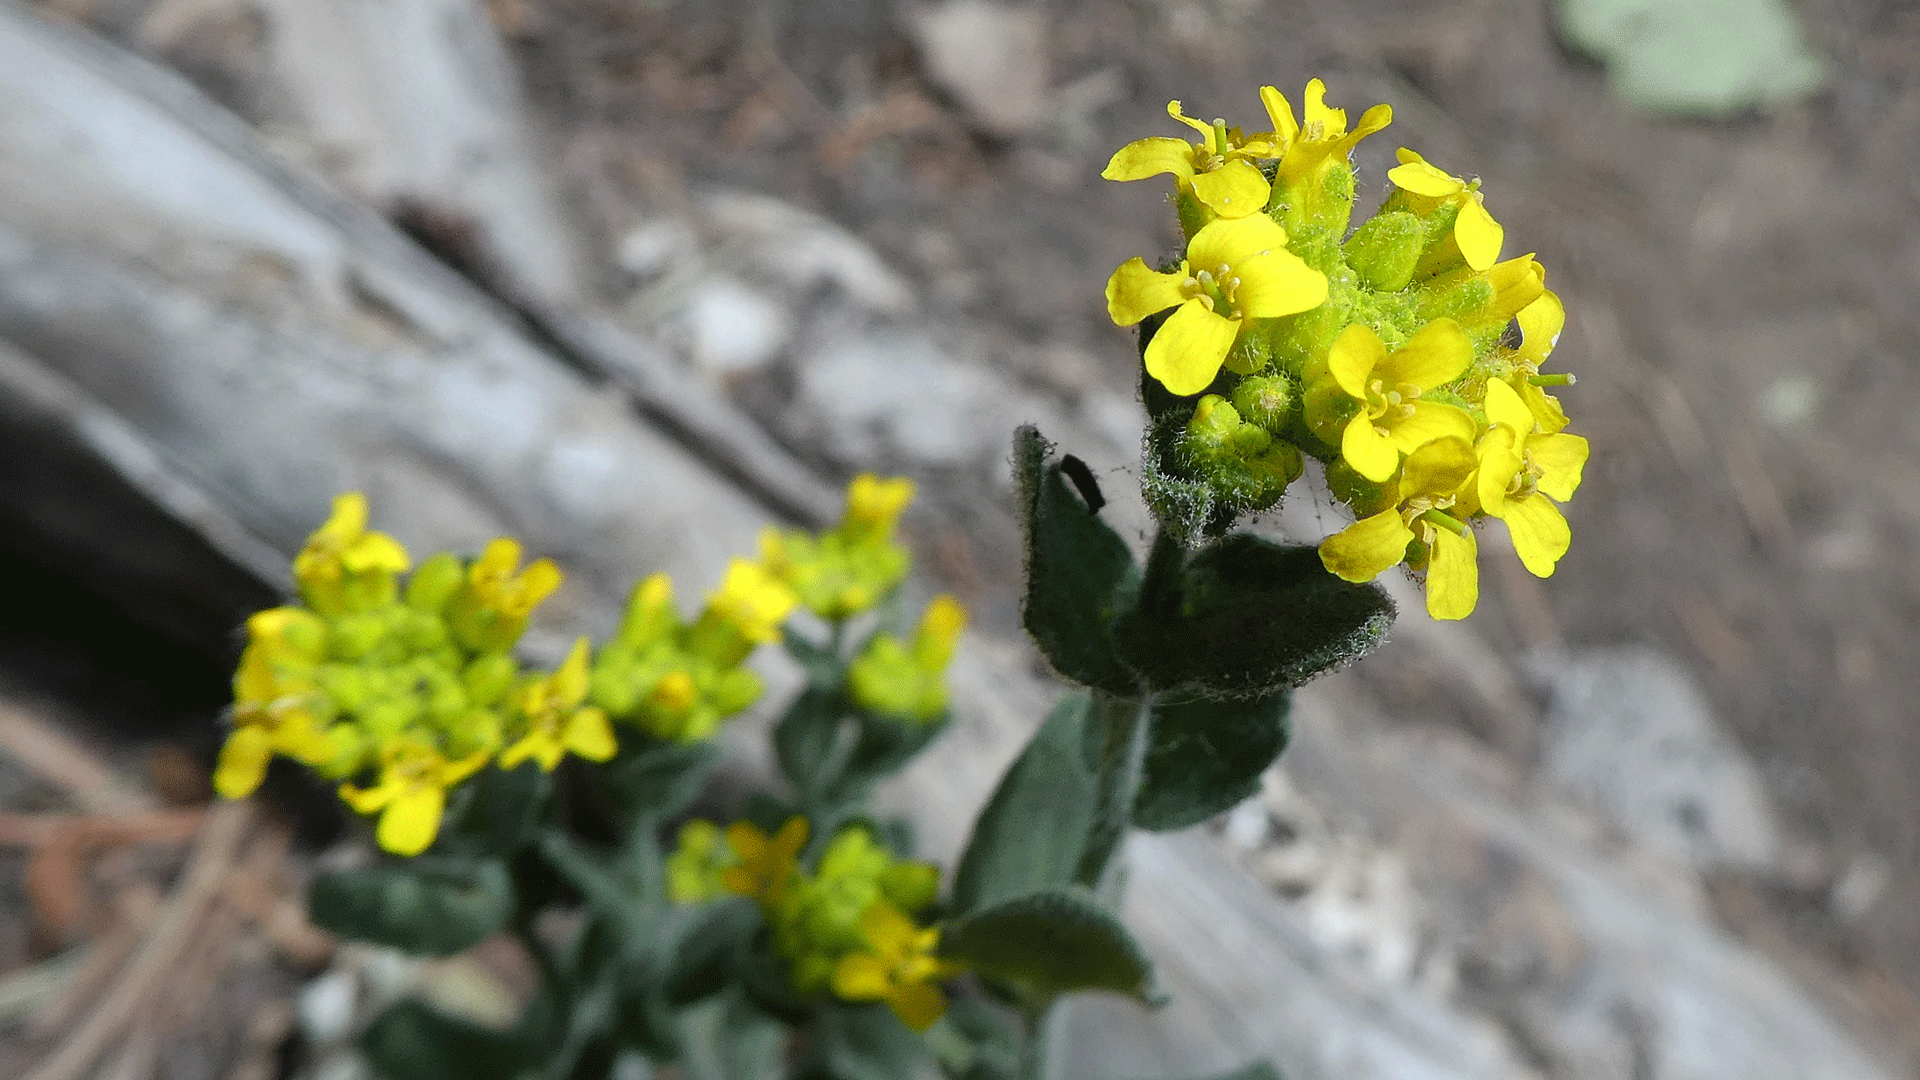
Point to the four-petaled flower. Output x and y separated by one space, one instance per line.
1431 483
557 722
753 601
1218 169
874 505
766 863
1520 475
898 966
1321 134
1236 269
341 554
1475 232
498 582
1393 419
412 792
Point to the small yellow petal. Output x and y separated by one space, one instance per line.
1136 291
1414 174
243 762
1437 468
1151 157
1561 459
1236 189
862 976
918 1005
1540 533
1371 454
590 736
1313 110
1205 129
1230 241
1477 234
1188 349
375 551
1540 325
1280 114
1278 283
1516 283
1367 548
410 822
1504 406
1546 410
1498 463
1353 357
1372 120
569 683
1434 356
1453 575
1430 420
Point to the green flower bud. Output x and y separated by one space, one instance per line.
435 582
1385 250
353 637
489 678
1268 401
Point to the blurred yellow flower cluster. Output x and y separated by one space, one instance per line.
1403 354
846 928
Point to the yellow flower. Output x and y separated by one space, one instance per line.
498 582
556 722
1392 419
1540 326
888 679
1218 169
1430 485
898 966
343 565
1517 283
700 857
766 864
752 601
1475 232
1521 473
278 703
412 792
1236 269
1321 135
874 505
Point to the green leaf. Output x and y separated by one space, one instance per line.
1010 853
1696 57
730 1038
621 902
810 741
706 953
655 778
417 1042
1079 575
881 747
1245 617
1050 943
867 1042
505 808
1203 757
428 907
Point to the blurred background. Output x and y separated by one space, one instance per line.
629 277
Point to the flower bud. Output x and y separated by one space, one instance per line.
1385 250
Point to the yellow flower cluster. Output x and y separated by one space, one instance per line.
1405 354
847 928
907 681
415 688
677 680
846 570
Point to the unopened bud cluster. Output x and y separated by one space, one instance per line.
1403 354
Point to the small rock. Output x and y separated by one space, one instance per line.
1630 731
992 58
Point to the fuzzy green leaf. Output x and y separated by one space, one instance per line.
1204 756
418 1042
1049 943
1051 781
654 778
1246 617
705 955
1080 574
428 907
